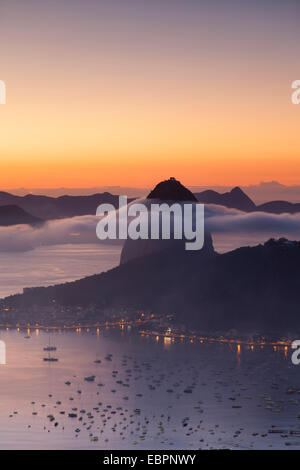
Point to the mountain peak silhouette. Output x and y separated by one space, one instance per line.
235 199
171 190
237 190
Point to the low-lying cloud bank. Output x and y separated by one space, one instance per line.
56 232
219 220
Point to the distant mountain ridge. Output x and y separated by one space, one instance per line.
235 199
14 215
279 207
238 199
46 207
260 193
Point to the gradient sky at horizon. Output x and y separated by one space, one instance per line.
129 92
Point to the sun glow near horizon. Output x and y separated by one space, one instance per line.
129 93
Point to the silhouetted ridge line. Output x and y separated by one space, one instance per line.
14 215
46 207
235 199
251 289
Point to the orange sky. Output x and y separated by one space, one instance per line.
114 96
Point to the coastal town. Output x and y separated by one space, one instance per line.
145 323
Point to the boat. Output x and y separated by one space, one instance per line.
91 378
50 358
49 347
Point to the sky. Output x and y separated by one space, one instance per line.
129 92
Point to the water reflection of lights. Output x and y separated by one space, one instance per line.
168 336
285 351
278 346
238 349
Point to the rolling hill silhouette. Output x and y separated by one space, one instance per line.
46 207
14 215
238 199
235 199
253 289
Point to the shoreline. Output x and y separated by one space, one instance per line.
192 337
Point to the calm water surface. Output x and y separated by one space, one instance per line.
147 393
47 265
